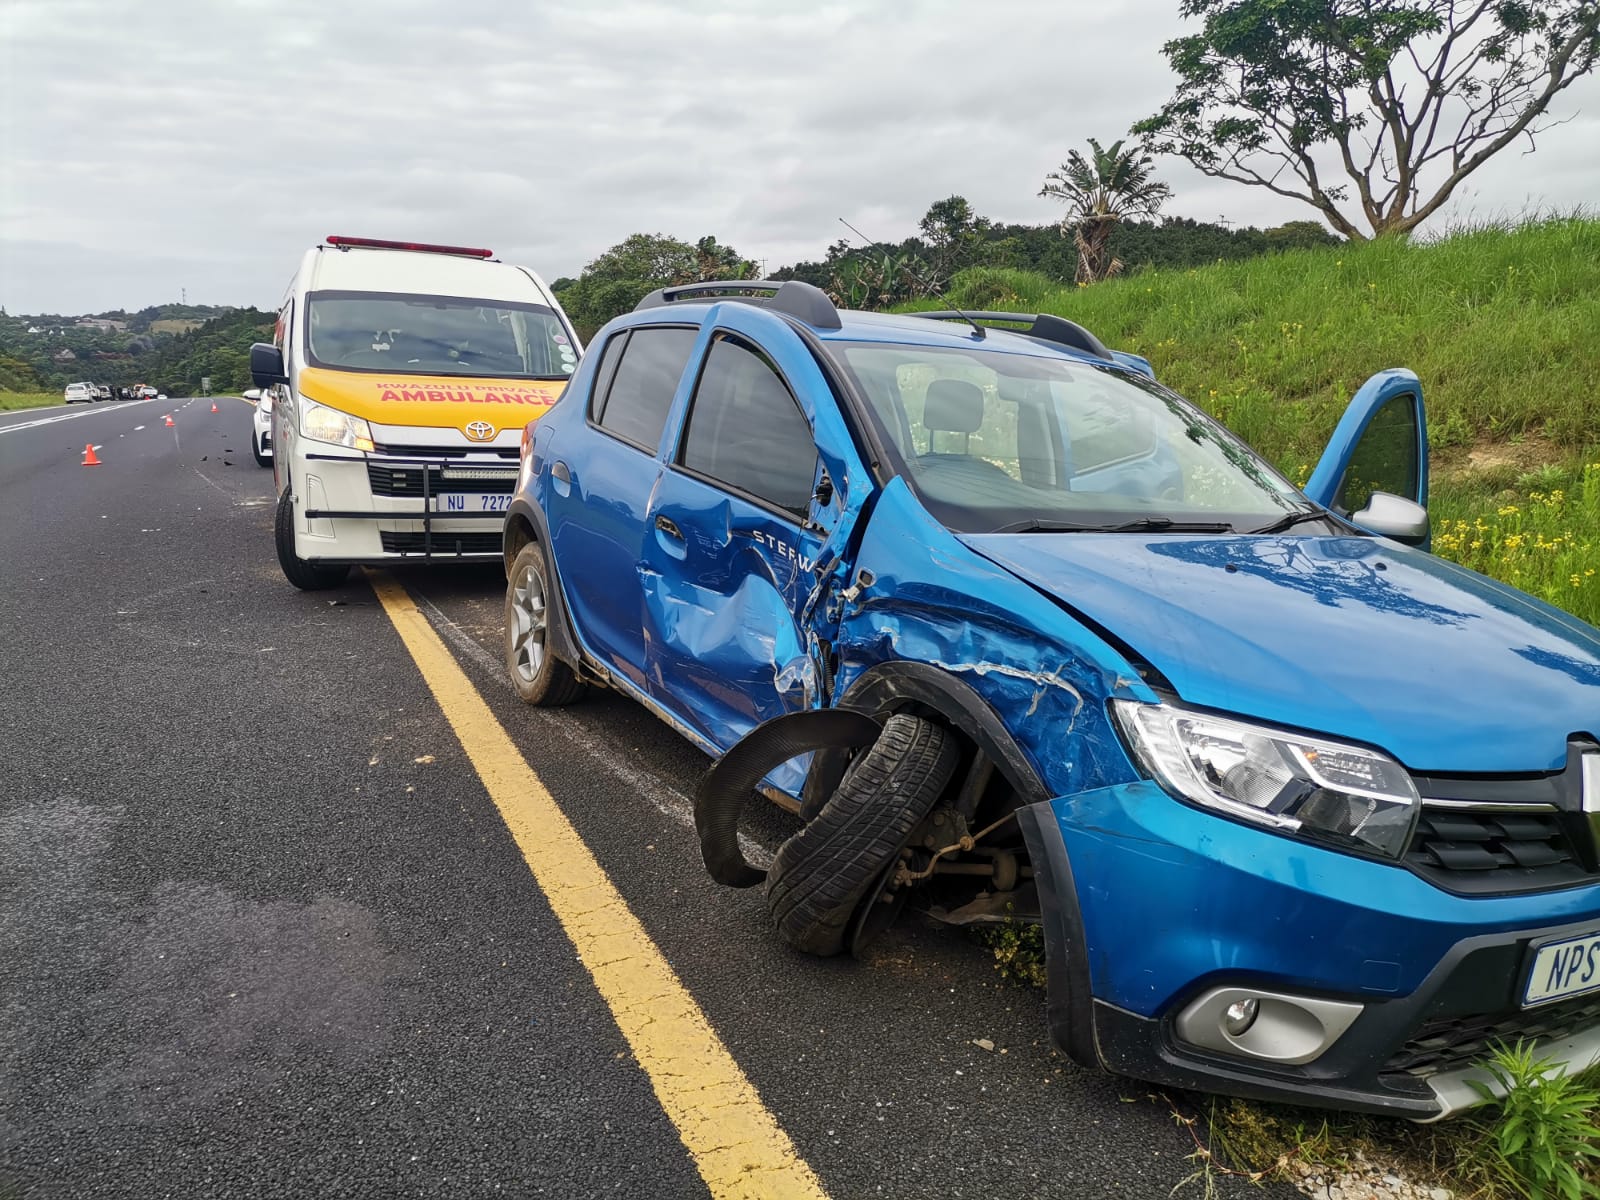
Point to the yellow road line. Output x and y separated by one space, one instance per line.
737 1145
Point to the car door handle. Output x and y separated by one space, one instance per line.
669 527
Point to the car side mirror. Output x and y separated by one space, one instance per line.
266 365
1394 517
251 394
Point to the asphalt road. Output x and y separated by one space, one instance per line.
263 932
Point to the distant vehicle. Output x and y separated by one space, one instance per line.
102 391
80 391
402 376
261 425
146 392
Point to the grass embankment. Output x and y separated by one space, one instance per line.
10 401
1501 325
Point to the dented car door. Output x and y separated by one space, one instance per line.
747 507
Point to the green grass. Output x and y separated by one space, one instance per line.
1502 325
10 401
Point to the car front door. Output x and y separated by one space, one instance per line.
746 532
1379 446
600 486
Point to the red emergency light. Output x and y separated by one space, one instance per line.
424 247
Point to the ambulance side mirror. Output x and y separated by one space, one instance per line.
266 365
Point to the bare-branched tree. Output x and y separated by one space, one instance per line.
1408 96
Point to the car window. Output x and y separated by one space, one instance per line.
610 356
992 438
635 405
746 431
1385 459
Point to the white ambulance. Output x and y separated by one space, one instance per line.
400 378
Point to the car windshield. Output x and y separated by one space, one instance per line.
396 333
996 441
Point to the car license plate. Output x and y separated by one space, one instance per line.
451 502
1569 967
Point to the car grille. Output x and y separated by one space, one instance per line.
409 479
1450 1043
440 544
1493 849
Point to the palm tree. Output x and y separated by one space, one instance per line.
1112 185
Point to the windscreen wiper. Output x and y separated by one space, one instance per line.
1292 518
1143 524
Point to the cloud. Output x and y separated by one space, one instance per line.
191 145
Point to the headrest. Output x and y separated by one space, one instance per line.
953 406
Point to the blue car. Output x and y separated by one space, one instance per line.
1305 812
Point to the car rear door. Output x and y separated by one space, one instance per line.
746 531
600 487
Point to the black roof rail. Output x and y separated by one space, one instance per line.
1044 326
792 296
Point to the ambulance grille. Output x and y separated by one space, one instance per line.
442 545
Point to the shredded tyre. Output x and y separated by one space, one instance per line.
821 874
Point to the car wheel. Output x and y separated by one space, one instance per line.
307 576
537 675
262 460
821 874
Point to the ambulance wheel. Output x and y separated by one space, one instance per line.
537 675
821 875
307 576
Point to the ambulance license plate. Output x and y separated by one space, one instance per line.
452 502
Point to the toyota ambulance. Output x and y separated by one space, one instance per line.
400 379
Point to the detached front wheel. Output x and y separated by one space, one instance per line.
821 874
537 675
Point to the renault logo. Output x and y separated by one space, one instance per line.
479 431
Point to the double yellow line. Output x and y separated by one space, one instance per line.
737 1145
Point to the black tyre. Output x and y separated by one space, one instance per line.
537 675
822 873
262 460
307 576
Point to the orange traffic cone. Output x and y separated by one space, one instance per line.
89 459
168 419
213 406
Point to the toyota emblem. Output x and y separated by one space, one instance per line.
479 431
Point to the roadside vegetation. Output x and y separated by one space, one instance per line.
11 401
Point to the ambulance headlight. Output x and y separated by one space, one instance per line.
323 424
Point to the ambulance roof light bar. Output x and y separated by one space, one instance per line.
345 243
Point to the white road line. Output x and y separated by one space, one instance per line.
71 416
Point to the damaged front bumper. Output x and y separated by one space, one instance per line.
1374 990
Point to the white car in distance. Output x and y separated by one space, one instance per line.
261 425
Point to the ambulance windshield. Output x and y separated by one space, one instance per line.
394 333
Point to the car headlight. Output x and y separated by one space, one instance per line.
323 424
1317 788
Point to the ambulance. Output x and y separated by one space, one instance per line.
400 378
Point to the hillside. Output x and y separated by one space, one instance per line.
1502 326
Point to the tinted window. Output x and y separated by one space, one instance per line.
609 358
746 431
1385 459
635 406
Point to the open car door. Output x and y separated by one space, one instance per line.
1374 471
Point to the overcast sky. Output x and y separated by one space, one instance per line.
203 145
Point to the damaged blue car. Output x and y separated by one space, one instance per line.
1305 812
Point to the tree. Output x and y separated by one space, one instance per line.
952 233
1109 187
637 266
1271 92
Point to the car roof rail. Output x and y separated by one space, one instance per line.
1045 326
798 299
